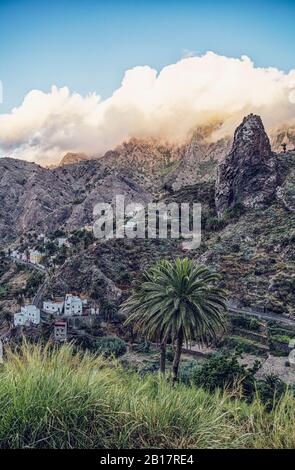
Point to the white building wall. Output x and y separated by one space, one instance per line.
28 314
73 305
53 307
19 319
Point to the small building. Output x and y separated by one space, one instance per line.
60 331
19 319
73 305
53 306
15 254
42 238
88 228
28 314
94 311
35 256
62 241
24 256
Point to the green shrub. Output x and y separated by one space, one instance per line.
222 371
246 323
281 338
110 346
169 354
143 347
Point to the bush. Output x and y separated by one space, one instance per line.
222 371
144 347
246 323
169 354
110 346
271 391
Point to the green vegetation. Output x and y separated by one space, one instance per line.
246 323
177 301
109 346
225 372
34 281
245 345
4 290
51 398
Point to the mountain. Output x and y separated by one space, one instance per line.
247 210
40 199
43 199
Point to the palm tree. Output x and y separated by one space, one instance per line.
178 301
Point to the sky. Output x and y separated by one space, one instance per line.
87 46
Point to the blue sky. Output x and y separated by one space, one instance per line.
87 45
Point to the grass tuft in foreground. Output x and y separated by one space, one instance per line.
54 398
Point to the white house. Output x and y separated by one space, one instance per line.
15 254
88 228
63 241
35 256
19 319
60 331
73 305
42 238
28 314
54 307
94 311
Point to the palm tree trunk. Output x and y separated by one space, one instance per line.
176 360
163 356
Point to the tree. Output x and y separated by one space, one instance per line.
109 309
180 302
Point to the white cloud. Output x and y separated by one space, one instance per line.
195 91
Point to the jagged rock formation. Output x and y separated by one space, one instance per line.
43 199
248 176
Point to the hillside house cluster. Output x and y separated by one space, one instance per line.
29 314
70 306
30 256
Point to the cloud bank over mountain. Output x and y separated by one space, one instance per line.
195 91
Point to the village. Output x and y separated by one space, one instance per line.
33 255
62 315
67 313
63 312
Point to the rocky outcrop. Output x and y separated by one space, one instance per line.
248 176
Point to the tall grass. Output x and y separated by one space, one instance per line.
54 398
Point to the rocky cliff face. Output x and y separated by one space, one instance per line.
248 176
40 199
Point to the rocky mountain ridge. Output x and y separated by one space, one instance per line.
40 199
